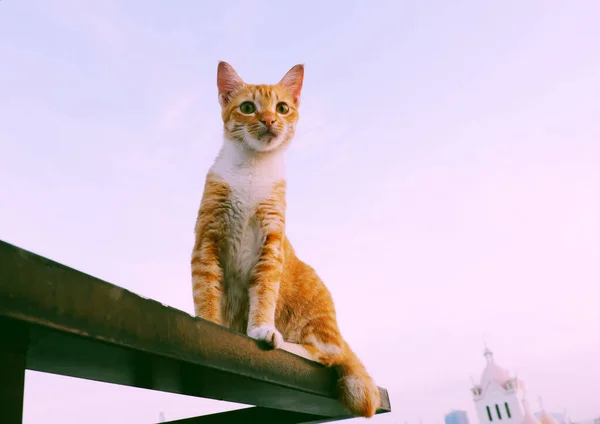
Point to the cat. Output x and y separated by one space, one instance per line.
245 273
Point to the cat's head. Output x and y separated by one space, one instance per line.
261 117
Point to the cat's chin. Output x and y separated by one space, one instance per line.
266 144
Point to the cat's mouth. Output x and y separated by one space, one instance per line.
267 136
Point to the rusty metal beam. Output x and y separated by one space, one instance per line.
80 326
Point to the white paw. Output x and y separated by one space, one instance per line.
266 333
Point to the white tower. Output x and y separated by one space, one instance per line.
500 398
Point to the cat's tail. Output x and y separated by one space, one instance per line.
357 390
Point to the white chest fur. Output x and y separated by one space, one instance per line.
251 179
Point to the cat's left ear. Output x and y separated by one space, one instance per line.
292 81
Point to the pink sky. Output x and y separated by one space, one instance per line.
445 181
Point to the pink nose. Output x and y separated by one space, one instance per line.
267 119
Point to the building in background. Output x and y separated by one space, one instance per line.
550 418
546 418
456 417
500 397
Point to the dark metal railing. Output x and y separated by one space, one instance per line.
58 320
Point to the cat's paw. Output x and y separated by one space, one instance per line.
268 334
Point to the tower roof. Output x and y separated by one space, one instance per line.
493 372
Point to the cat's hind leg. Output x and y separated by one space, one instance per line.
356 389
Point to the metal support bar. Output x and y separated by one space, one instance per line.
255 414
12 371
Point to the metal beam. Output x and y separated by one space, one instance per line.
12 371
81 326
255 414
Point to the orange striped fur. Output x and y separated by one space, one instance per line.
245 273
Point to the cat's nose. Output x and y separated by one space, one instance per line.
267 119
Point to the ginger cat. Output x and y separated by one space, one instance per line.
245 273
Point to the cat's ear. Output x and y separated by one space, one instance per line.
292 81
228 82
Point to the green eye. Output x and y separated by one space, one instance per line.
282 108
247 108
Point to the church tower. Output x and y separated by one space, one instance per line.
500 398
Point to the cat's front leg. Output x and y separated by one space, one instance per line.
263 287
263 290
207 276
207 272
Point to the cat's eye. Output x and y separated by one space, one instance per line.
282 108
247 108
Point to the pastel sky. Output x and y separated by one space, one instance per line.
445 180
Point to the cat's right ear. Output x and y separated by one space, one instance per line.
228 82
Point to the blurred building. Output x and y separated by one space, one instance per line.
500 397
456 417
551 418
546 418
